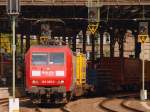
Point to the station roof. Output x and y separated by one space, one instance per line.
81 2
74 13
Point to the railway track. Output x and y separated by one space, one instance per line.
26 105
81 105
125 95
41 110
116 105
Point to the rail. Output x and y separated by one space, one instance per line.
111 104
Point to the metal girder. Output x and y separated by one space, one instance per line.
80 2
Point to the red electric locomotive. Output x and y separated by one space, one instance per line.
49 72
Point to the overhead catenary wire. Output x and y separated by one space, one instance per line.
85 19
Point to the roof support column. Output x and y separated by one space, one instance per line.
21 43
74 42
27 42
111 32
137 45
101 44
121 43
93 48
84 41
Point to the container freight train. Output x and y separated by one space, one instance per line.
121 74
54 73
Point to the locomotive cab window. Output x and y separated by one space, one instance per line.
39 58
56 58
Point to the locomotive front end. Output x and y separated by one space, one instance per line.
49 71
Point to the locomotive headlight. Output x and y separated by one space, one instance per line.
35 82
61 81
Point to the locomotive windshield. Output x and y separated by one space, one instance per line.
56 58
47 58
39 58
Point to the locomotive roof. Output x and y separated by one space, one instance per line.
49 46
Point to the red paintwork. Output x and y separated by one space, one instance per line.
53 80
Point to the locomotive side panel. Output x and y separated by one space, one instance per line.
69 70
27 69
